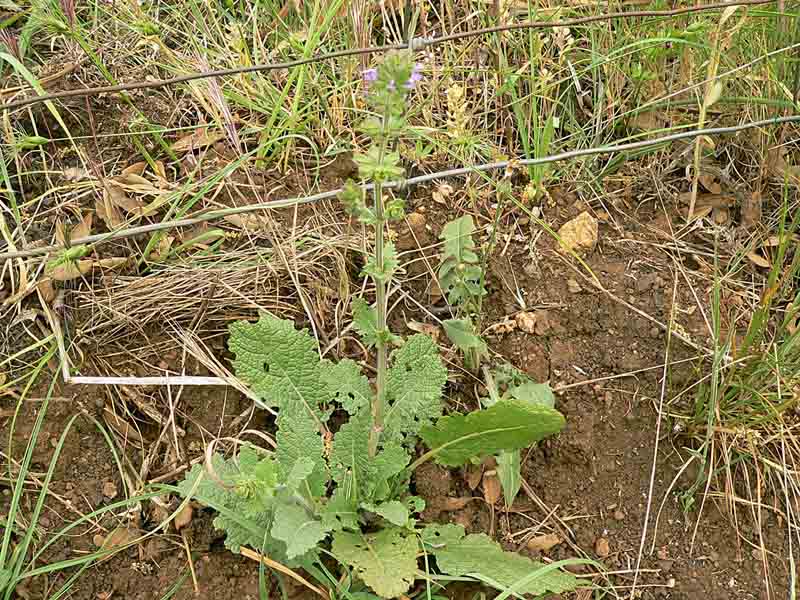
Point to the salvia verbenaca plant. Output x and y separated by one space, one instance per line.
341 487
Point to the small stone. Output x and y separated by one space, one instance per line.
579 234
655 332
109 490
573 286
619 515
416 222
665 565
526 321
602 547
544 543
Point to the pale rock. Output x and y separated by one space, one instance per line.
580 233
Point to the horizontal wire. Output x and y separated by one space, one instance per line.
290 202
416 44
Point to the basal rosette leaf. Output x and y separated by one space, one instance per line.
414 387
507 425
477 555
279 363
385 560
351 464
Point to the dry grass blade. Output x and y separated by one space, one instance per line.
252 554
195 347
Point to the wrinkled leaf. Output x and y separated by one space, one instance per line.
348 386
283 368
386 560
365 322
414 387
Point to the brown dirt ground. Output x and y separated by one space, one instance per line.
590 482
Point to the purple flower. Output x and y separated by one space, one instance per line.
370 75
416 76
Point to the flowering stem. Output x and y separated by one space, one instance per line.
379 402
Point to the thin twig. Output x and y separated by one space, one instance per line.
252 554
656 443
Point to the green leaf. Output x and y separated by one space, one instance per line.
352 197
373 166
479 556
300 531
393 511
299 438
257 479
507 425
280 363
365 321
386 560
536 393
387 270
414 386
348 386
340 512
460 274
283 368
458 242
435 537
350 452
508 463
299 472
390 462
240 517
462 333
350 458
508 472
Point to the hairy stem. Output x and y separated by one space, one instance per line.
379 402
